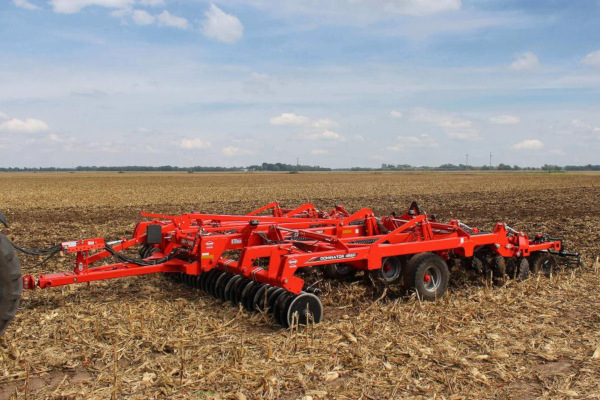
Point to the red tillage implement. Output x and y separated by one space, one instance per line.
258 260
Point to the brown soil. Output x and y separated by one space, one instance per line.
538 338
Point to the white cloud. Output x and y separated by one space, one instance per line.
165 18
360 10
25 4
529 144
55 138
326 134
505 120
359 138
584 126
320 129
325 123
395 114
414 142
221 26
28 125
122 13
141 17
420 7
74 6
453 125
592 59
319 152
191 144
234 151
289 119
527 61
151 3
586 134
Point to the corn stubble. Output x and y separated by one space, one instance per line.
149 338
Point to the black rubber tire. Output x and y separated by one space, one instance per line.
11 282
338 271
542 262
432 265
391 271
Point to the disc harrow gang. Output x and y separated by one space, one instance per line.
259 260
287 308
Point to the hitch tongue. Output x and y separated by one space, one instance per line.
29 282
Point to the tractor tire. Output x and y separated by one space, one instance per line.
427 275
11 283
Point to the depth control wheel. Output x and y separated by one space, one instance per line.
427 275
389 273
338 271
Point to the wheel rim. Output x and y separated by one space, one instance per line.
390 270
432 278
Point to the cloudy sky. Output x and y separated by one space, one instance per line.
335 83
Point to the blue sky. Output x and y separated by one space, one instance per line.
334 83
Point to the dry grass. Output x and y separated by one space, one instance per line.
539 338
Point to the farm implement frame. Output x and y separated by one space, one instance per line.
260 259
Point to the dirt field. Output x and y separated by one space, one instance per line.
538 338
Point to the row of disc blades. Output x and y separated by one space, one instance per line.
287 308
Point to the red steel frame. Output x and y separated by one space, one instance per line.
289 240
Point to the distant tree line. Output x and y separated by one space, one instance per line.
499 167
128 168
285 167
293 168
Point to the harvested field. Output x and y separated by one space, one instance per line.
147 337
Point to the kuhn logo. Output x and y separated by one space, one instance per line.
236 241
209 244
337 257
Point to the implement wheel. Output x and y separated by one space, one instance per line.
338 271
427 275
389 273
11 283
